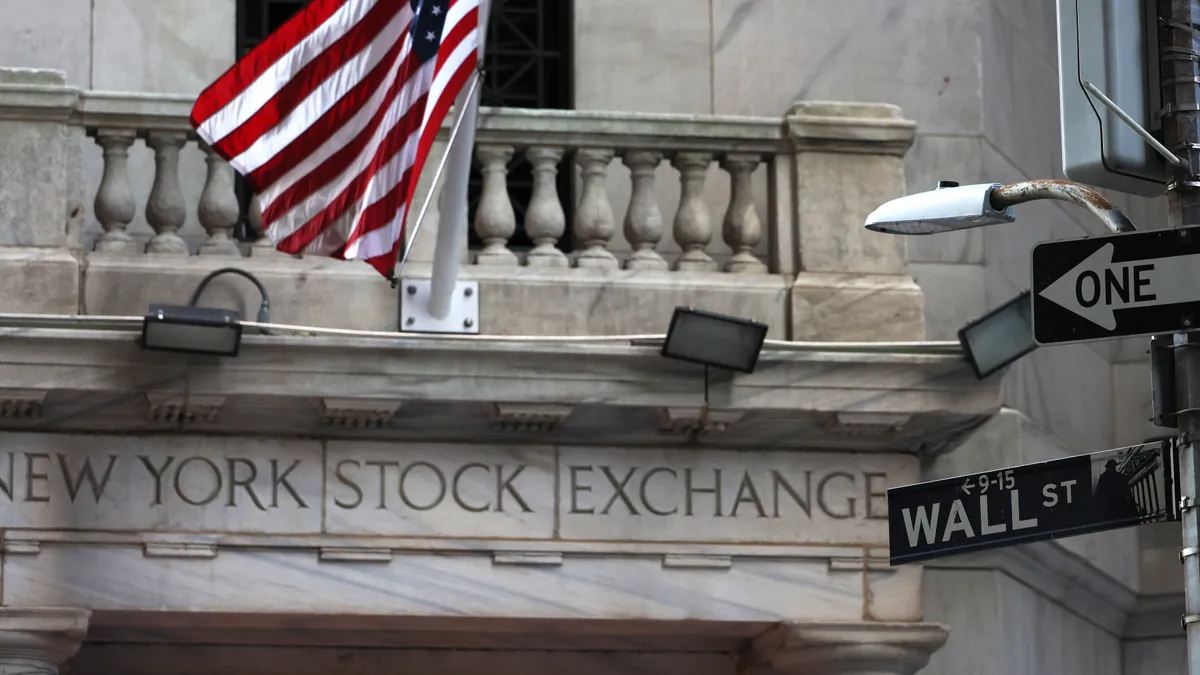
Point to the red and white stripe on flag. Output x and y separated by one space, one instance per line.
330 119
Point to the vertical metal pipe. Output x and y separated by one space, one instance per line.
1179 50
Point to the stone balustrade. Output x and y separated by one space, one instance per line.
593 143
754 216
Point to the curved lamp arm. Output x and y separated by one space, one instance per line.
1063 191
264 309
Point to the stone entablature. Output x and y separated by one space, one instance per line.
229 523
219 485
501 391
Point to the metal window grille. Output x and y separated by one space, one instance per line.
528 62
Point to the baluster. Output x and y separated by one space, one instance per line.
115 206
495 222
545 220
643 219
165 210
262 247
218 210
594 222
693 227
741 229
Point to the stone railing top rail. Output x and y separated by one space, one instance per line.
809 125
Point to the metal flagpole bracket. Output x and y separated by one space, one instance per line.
1188 553
462 319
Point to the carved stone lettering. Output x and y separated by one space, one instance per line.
412 490
148 483
439 490
718 496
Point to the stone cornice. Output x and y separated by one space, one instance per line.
36 95
41 636
1060 575
135 110
922 396
849 647
867 128
1156 616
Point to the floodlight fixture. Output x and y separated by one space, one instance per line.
714 340
997 339
201 330
192 330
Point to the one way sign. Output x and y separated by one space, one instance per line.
1098 288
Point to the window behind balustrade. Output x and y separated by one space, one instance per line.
528 64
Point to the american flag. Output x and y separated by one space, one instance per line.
330 119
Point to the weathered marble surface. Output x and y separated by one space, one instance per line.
432 583
1162 656
40 640
1002 627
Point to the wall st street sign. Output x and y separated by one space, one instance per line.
1064 497
1098 288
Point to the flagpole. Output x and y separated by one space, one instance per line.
433 186
452 223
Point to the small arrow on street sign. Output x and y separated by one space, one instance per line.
1143 283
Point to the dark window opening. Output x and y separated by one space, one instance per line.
256 19
528 64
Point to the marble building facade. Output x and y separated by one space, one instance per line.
507 505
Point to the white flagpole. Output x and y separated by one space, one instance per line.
452 224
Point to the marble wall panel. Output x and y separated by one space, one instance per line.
868 50
432 584
643 56
1156 657
54 35
1002 626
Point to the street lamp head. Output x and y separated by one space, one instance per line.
950 207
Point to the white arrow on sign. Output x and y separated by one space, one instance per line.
1098 287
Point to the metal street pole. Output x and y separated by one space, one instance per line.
1179 47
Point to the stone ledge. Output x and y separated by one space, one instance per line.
430 585
523 300
38 280
36 95
886 648
835 126
135 111
857 307
1156 616
614 387
513 300
36 636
